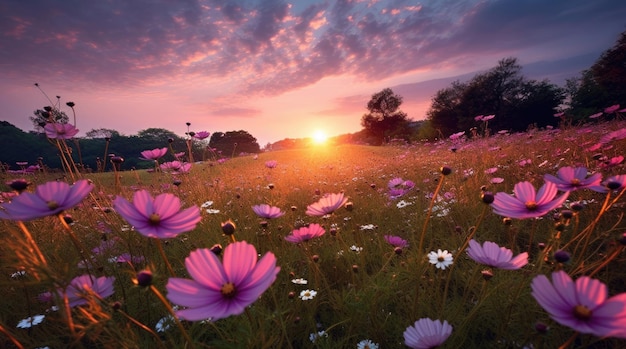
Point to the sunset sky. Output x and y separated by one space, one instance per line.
277 69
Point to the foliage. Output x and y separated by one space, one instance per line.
385 120
502 91
602 85
232 143
48 114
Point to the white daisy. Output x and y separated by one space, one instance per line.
299 281
207 204
356 249
368 227
403 204
308 294
366 344
212 211
313 337
31 321
441 259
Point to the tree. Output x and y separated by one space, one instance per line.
516 101
102 133
47 114
384 119
232 143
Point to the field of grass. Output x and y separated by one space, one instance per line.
365 288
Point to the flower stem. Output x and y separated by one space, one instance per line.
171 311
167 262
33 245
430 211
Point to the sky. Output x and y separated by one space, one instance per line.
277 69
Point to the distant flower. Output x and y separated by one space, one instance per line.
614 136
368 227
612 162
299 281
574 178
31 321
398 187
595 116
491 170
611 109
427 334
60 131
495 256
527 203
326 205
313 337
305 233
366 344
207 204
582 305
271 163
158 217
201 135
396 241
441 259
153 154
403 204
525 162
496 180
221 289
266 211
48 199
457 136
306 295
356 248
175 167
615 182
84 286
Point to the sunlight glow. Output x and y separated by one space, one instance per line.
319 137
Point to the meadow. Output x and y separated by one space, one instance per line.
354 286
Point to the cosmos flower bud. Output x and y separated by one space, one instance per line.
577 206
117 159
70 104
567 214
445 170
355 268
559 226
263 224
291 295
177 182
561 256
507 221
19 185
622 239
487 197
541 327
117 305
487 274
349 206
216 249
397 250
613 185
228 227
144 278
315 258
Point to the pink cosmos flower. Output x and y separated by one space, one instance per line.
326 205
48 199
175 167
612 162
398 187
305 233
595 116
527 203
83 287
582 305
614 136
266 211
574 178
271 163
396 241
427 333
495 256
201 135
153 154
60 131
160 217
611 109
219 290
615 182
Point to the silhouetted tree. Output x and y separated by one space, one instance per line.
101 133
233 143
47 114
384 120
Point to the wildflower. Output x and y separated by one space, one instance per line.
356 248
299 281
611 109
615 182
48 199
527 203
60 131
574 178
368 227
427 333
396 241
496 180
305 295
495 256
153 154
313 337
31 321
160 217
403 204
441 259
366 344
85 285
221 289
305 233
266 211
582 305
595 116
271 163
201 135
326 205
398 187
175 167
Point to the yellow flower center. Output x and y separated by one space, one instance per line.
531 205
53 205
154 219
228 290
575 182
581 312
441 259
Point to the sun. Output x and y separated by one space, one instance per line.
319 137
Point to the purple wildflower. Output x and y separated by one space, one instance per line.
201 135
305 233
574 178
527 203
326 205
82 287
48 199
159 217
266 211
219 290
153 154
427 333
582 305
271 163
60 131
495 256
396 241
